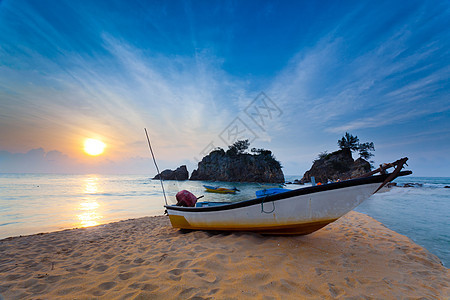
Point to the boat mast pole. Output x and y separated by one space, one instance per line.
157 169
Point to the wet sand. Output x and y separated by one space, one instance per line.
353 258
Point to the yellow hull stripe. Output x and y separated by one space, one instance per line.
302 228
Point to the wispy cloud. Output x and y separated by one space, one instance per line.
335 87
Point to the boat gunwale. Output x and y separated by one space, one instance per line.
288 194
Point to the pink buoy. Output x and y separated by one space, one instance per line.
186 198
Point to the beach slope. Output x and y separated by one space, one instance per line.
355 257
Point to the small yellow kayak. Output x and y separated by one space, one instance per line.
220 190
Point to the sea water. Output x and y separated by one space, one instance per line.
34 203
421 212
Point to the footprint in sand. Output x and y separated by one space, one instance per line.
334 291
134 286
101 268
77 254
108 256
149 287
213 291
221 257
200 248
138 261
199 272
107 285
53 278
320 271
350 282
13 277
208 277
37 288
183 263
184 294
176 272
126 276
68 291
310 291
28 283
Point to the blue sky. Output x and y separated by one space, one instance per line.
292 76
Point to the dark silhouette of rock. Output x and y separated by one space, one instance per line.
338 165
181 173
412 184
239 167
360 167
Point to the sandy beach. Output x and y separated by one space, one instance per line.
353 258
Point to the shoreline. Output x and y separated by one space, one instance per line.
355 256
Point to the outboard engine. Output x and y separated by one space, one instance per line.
186 198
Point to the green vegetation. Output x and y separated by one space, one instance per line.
351 142
324 155
240 147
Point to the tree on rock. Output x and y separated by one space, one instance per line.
238 147
351 142
364 150
268 157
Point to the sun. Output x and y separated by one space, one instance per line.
94 147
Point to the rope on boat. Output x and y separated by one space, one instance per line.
157 169
262 206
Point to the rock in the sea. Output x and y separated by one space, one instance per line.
337 165
242 167
412 184
181 173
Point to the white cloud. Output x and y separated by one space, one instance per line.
324 89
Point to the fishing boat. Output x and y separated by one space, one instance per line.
220 190
299 211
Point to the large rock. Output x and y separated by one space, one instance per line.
337 165
181 173
244 167
359 167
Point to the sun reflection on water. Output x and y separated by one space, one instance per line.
89 206
91 185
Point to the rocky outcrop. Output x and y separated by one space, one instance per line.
181 173
239 167
411 184
359 167
337 165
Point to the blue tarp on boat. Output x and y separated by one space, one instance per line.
268 192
